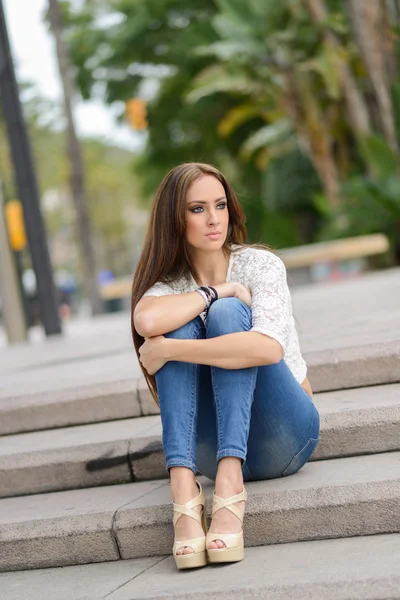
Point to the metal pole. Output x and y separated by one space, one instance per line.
13 313
27 185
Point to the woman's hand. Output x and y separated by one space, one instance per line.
241 292
153 354
233 289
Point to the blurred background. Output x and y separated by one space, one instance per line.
296 101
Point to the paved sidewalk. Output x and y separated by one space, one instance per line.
356 568
363 310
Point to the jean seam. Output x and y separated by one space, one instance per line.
215 392
193 413
191 443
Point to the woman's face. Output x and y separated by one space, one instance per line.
206 212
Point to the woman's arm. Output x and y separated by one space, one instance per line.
231 351
156 315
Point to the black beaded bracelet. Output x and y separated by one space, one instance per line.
206 290
211 293
215 293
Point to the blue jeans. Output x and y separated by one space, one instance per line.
260 414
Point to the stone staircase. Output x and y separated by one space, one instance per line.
83 486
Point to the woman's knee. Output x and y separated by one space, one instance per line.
228 315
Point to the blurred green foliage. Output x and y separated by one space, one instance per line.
157 41
296 101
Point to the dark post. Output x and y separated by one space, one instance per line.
27 185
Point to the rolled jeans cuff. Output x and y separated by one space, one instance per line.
181 463
237 453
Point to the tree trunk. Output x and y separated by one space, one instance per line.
313 133
395 4
77 173
356 105
371 28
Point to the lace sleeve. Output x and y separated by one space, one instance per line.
159 289
271 302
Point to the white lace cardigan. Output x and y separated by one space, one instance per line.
264 274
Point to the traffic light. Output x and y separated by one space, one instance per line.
136 113
15 225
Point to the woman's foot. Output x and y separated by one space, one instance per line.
229 482
186 527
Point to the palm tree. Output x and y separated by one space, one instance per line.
264 56
77 177
372 31
293 66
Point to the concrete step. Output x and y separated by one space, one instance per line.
346 497
353 568
101 389
112 387
76 457
353 422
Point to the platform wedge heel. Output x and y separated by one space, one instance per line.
234 542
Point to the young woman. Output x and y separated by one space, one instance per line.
213 328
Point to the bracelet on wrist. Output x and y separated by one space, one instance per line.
215 293
211 292
205 297
207 291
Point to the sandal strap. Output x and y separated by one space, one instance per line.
219 503
187 508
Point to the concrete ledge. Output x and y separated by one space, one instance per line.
75 457
338 569
337 369
358 421
66 528
147 459
325 569
353 422
326 499
73 537
370 364
147 403
65 407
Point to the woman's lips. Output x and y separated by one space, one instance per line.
214 236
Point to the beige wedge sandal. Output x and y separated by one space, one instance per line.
234 542
197 558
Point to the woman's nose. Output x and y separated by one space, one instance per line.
213 218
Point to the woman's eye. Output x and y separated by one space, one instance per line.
195 209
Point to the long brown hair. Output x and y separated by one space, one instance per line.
165 254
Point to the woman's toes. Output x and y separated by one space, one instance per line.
185 550
216 544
